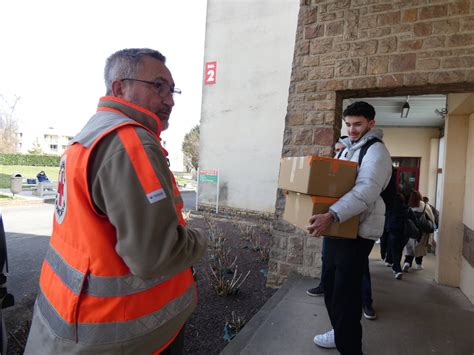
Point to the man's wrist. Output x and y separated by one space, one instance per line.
335 218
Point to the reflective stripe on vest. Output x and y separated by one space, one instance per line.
140 162
100 286
113 332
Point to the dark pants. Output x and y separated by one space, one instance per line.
384 245
366 284
176 347
397 242
409 259
345 262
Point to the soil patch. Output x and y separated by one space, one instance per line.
205 328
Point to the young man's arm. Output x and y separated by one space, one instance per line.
373 176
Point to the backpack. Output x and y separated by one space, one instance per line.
388 194
425 224
410 229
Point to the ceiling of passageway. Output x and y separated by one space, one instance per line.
422 110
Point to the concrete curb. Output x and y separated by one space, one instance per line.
244 337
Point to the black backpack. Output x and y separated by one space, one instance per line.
425 224
388 194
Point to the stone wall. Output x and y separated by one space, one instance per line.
363 48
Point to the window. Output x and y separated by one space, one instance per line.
53 147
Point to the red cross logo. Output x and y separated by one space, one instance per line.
61 198
61 187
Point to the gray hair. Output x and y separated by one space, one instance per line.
124 64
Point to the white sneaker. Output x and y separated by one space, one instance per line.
405 268
399 275
419 267
325 340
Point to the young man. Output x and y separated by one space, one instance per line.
366 287
117 276
346 260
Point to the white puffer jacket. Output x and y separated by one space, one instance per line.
373 176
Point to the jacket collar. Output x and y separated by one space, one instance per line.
137 113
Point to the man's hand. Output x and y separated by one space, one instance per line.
319 223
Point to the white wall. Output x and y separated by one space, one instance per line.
243 114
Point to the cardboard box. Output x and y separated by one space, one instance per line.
300 207
318 176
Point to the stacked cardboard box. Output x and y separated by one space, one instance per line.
312 185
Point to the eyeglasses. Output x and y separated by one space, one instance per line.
162 88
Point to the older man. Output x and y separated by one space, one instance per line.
117 277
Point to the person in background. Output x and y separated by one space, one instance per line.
417 249
397 239
346 260
433 241
41 176
318 290
117 276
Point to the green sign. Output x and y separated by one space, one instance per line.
208 178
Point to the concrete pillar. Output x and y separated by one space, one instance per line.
467 267
451 226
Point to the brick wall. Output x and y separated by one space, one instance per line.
363 48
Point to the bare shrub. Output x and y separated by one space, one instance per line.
233 326
246 231
266 227
260 247
224 285
218 252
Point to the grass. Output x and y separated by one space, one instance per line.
27 172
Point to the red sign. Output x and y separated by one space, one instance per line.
211 70
208 172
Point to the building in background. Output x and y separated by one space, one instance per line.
49 141
245 99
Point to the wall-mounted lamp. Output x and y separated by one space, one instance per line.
441 112
405 109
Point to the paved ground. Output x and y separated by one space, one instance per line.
415 317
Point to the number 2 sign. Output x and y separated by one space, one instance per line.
211 69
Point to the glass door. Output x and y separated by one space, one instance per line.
408 174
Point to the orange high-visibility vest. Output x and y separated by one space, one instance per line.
87 293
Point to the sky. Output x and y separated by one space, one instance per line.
53 55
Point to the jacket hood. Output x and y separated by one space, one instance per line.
354 146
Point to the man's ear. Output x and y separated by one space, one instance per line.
118 89
371 123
